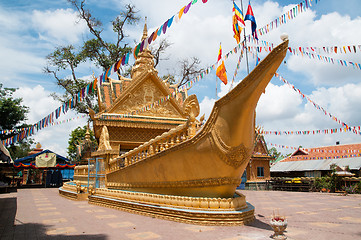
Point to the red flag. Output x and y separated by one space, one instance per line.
250 16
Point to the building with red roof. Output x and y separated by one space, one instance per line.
316 162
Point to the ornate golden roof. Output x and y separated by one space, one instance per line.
145 88
151 105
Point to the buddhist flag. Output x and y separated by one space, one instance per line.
237 18
221 69
238 13
250 16
236 29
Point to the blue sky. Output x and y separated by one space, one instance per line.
32 29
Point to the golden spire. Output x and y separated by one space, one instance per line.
38 145
87 134
145 58
145 30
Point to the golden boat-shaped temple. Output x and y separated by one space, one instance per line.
165 163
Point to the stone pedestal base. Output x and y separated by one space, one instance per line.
73 192
192 210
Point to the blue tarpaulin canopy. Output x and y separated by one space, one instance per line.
29 161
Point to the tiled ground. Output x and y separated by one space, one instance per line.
43 214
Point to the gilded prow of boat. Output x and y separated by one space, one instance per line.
206 163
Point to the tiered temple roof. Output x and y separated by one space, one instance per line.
132 97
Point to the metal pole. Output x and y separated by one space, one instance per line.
245 42
216 86
88 173
96 172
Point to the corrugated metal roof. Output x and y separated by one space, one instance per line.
316 165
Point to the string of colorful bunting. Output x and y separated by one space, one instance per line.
326 157
237 67
344 63
282 146
8 132
302 51
26 132
310 132
318 150
318 107
331 50
286 17
348 153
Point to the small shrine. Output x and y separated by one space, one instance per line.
258 168
44 167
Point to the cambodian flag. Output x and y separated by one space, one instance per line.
250 16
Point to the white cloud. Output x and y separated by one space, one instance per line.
58 26
280 109
38 100
54 138
278 102
17 63
343 102
206 106
330 30
11 21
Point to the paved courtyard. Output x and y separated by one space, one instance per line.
43 214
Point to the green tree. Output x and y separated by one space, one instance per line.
12 116
12 112
274 153
22 149
77 136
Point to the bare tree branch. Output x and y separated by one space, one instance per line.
164 44
189 70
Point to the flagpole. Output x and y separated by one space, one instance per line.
216 86
245 42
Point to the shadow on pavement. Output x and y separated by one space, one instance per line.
259 224
8 208
11 228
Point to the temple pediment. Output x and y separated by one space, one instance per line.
146 89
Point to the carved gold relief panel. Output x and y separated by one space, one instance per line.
133 135
143 96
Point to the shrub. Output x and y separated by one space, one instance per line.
332 183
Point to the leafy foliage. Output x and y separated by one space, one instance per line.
12 112
76 138
21 149
353 189
274 153
332 182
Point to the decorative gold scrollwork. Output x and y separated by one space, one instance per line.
233 156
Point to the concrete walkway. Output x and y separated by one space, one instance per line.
43 214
